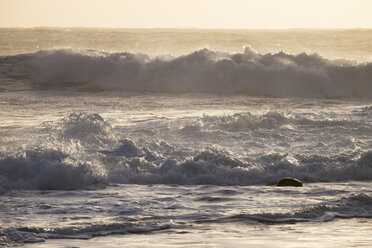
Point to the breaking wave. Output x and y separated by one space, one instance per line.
88 153
275 74
46 170
52 170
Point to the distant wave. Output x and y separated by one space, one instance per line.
278 74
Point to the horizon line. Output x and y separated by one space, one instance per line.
183 28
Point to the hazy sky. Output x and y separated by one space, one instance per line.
250 14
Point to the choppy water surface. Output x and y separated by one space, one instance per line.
134 164
100 148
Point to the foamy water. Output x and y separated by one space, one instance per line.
128 145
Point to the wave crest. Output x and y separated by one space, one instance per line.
88 128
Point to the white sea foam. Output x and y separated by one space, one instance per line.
83 149
88 128
277 74
47 169
127 160
128 163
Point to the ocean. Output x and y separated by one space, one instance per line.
177 138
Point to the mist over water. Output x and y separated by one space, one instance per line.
183 132
348 44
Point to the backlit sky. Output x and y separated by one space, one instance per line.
238 14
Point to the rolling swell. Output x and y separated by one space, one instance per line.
353 206
278 75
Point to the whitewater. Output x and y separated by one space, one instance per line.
154 138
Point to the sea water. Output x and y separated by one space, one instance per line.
176 138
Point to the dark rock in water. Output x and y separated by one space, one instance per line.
289 181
